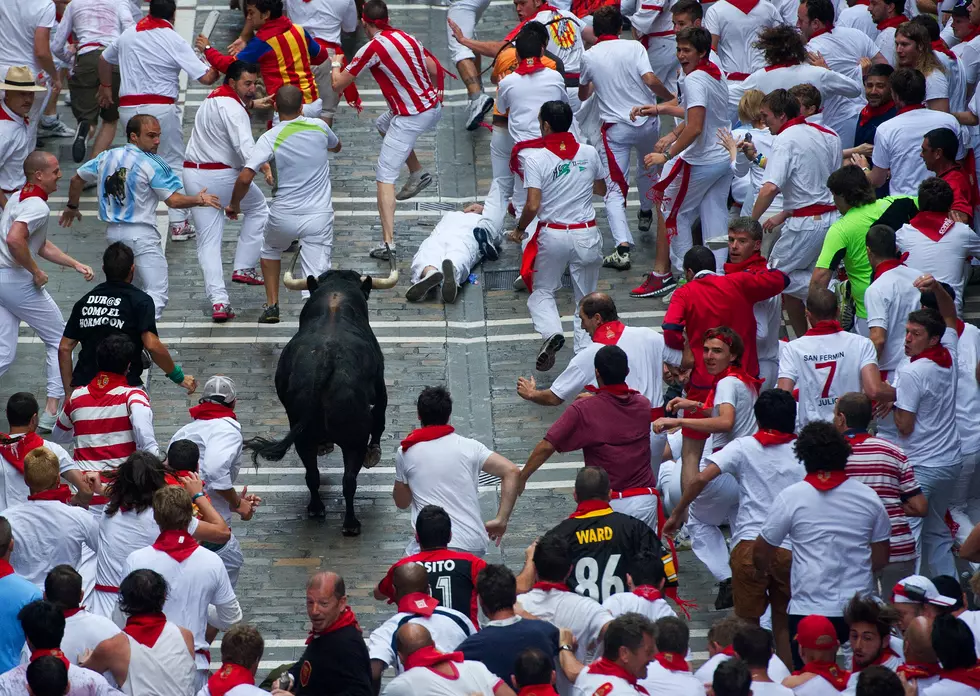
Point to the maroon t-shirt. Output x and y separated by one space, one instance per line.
613 433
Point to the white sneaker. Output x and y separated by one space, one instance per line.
476 109
413 186
54 130
181 232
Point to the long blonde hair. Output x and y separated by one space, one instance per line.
917 33
750 107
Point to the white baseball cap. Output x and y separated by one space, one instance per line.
219 388
918 589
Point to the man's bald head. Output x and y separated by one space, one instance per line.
289 101
410 638
918 642
409 578
39 161
599 303
327 582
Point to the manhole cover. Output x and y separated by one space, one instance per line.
503 279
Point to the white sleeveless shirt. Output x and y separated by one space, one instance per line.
166 669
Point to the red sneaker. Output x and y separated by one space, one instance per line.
221 313
655 285
247 276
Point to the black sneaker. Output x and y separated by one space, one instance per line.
450 288
270 314
546 356
644 220
724 599
79 145
487 248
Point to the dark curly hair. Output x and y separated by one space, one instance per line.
781 44
821 447
867 610
142 592
133 484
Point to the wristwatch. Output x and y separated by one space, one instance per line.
567 647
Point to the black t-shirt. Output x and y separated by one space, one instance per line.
601 543
497 647
452 578
112 307
334 663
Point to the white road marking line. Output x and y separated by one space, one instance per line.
272 664
371 488
186 4
248 470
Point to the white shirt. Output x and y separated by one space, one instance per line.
34 212
831 533
885 42
222 133
843 48
150 61
737 31
948 687
929 391
200 580
803 156
447 627
858 17
898 143
653 17
889 300
240 690
824 368
18 139
84 631
82 682
972 619
220 443
589 684
816 686
955 75
944 259
937 85
166 669
616 69
732 390
446 472
843 98
646 351
700 89
470 678
776 670
566 185
762 474
764 141
564 38
93 23
967 392
626 602
770 689
300 148
324 19
663 682
48 533
521 97
13 489
18 21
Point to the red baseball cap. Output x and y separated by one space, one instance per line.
816 633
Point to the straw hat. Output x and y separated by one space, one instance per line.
20 79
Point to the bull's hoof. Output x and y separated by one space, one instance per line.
373 456
324 449
316 512
351 530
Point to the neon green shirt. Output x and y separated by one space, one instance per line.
845 242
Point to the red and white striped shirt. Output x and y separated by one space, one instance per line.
110 419
884 468
397 63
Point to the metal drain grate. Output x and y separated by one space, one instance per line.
503 279
448 207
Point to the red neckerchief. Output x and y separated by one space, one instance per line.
888 265
228 677
910 107
728 650
938 354
798 121
538 690
145 629
960 325
529 66
426 433
826 481
745 6
893 22
72 612
5 569
827 28
870 112
211 411
417 603
587 506
738 372
940 45
62 494
768 438
885 656
148 23
608 668
614 389
754 260
104 382
562 145
274 27
836 676
14 450
53 652
964 675
770 68
33 191
709 67
608 334
179 545
918 671
932 225
606 37
226 91
825 327
346 618
648 592
429 657
671 661
546 586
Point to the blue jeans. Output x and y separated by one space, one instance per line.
933 542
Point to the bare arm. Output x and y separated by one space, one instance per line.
527 390
970 549
42 53
50 252
17 241
878 336
820 278
509 475
692 127
599 187
65 349
340 79
967 118
692 491
402 495
904 421
871 382
242 184
722 423
179 200
879 555
158 352
916 506
656 86
531 208
111 655
542 452
767 194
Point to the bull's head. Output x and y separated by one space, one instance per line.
292 283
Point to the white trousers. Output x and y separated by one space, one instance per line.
210 225
662 52
795 252
618 143
768 372
706 195
21 300
329 100
581 252
171 148
400 134
642 507
502 186
315 233
965 506
231 555
151 264
457 244
466 13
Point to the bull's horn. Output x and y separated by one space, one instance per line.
392 279
289 281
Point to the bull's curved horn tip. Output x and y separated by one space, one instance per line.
292 283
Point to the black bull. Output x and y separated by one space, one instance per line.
330 379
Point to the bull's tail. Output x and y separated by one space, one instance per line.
273 450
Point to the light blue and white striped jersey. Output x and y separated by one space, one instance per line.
131 184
